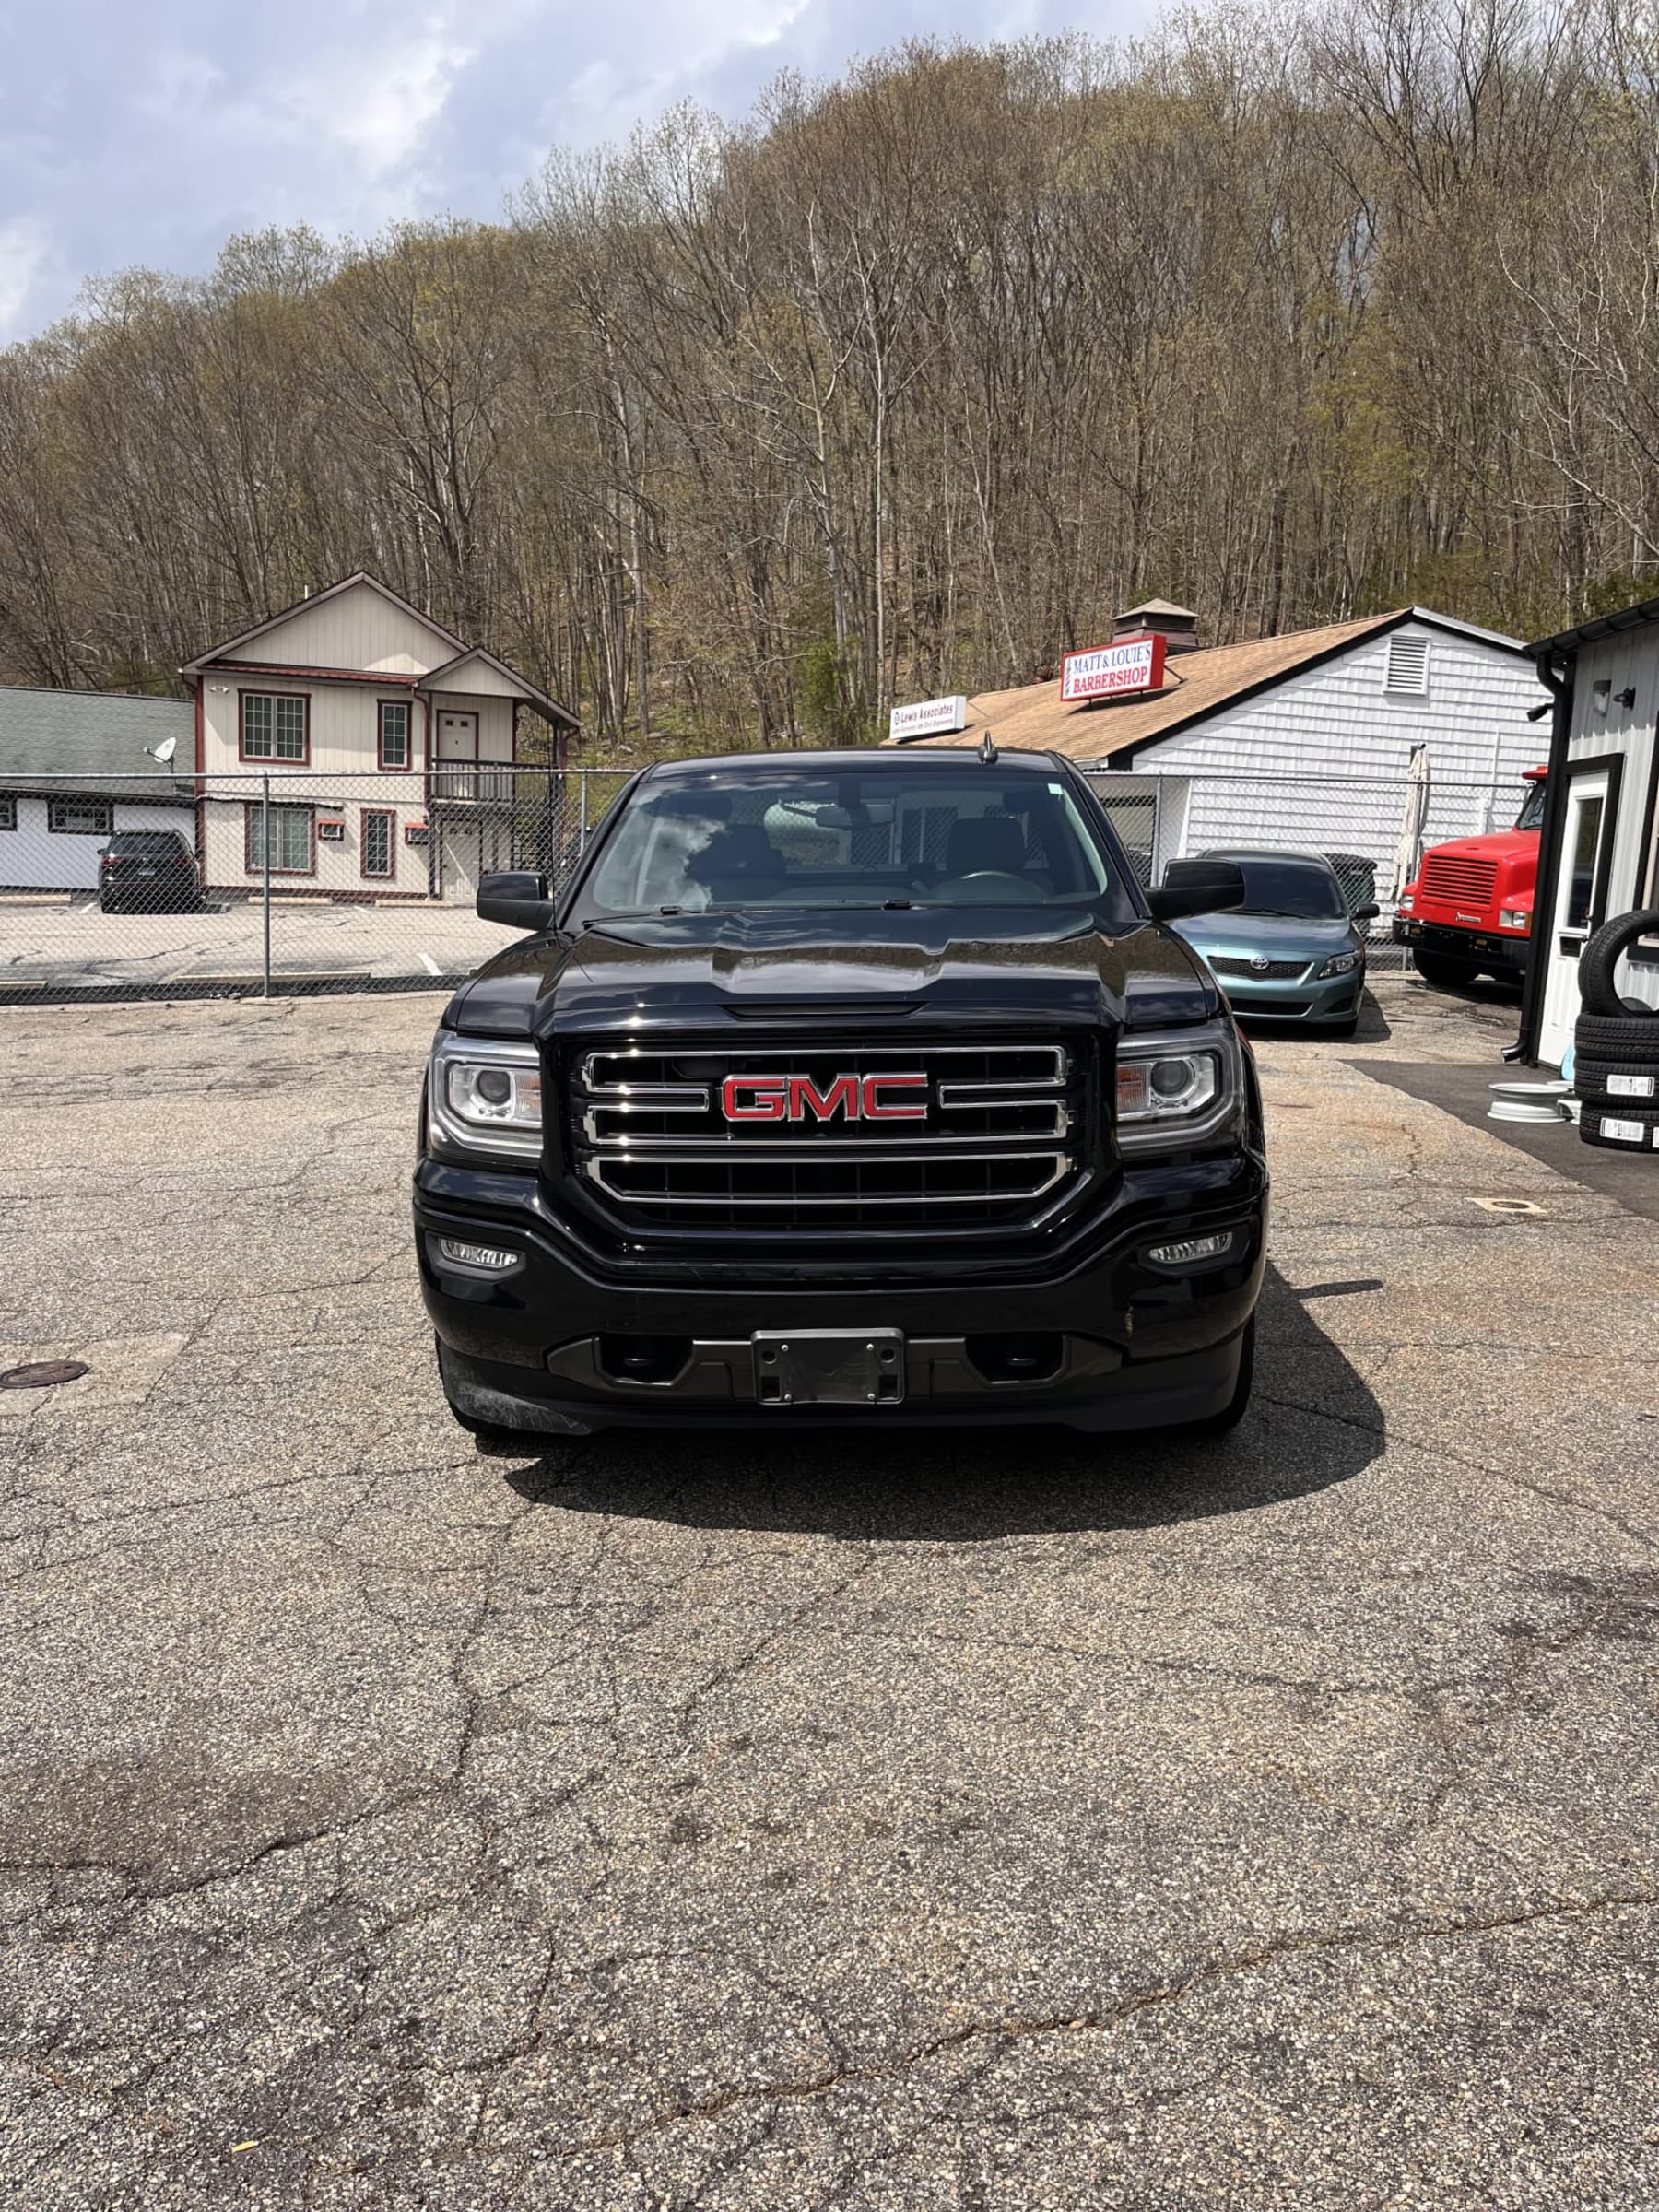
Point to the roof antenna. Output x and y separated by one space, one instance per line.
987 751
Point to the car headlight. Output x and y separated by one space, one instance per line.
484 1094
1177 1089
1339 963
1514 917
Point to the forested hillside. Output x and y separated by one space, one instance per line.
907 382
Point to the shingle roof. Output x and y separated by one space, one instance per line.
97 734
1196 685
1158 606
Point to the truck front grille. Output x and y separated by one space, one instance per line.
722 1141
1465 882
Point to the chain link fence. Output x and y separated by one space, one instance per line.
296 881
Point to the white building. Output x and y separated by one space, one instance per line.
76 765
388 740
1600 854
1303 740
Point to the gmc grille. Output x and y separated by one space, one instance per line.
994 1134
1465 882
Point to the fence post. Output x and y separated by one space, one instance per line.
264 842
581 818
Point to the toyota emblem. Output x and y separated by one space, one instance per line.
1261 963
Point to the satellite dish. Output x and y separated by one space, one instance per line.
164 751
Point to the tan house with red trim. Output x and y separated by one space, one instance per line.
389 743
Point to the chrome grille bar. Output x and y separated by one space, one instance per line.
1003 1122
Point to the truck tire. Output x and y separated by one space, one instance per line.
1594 1082
1442 969
1617 1037
1595 1122
1602 955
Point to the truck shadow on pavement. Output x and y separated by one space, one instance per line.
1312 1422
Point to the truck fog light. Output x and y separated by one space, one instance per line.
1189 1249
477 1259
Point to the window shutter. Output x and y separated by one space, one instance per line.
1407 664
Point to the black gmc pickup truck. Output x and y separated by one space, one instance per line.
845 1088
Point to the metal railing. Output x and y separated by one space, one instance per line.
259 883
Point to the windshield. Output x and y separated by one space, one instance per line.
775 837
1305 889
1531 815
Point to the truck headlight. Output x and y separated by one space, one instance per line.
1177 1089
1406 904
1514 917
484 1094
1339 963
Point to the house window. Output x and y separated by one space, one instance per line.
77 818
1407 666
292 839
394 733
8 813
276 725
380 842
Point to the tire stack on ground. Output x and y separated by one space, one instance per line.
1615 1044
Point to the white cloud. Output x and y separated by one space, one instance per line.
25 252
379 107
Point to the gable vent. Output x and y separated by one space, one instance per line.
1407 664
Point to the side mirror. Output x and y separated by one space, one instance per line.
1197 887
517 898
1367 914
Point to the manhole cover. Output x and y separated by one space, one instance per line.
1508 1205
41 1374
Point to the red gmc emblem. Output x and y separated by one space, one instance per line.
798 1099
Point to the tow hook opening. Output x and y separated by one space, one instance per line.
645 1358
1017 1356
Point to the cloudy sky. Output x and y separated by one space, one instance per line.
148 133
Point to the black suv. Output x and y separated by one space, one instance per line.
147 872
845 1088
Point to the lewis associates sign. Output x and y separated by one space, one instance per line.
928 718
1105 671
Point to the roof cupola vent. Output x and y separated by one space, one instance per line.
1178 626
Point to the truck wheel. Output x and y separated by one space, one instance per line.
1442 969
1618 1037
1233 1412
1602 955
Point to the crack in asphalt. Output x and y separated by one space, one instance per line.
1093 2020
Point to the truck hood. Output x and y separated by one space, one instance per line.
1497 844
690 970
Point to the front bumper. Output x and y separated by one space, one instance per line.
1124 1344
1492 951
1335 999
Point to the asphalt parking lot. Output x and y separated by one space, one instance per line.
986 1824
52 940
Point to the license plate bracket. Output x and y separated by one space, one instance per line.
829 1366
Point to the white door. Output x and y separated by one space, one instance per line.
457 743
1585 842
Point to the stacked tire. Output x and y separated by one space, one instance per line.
1615 1044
